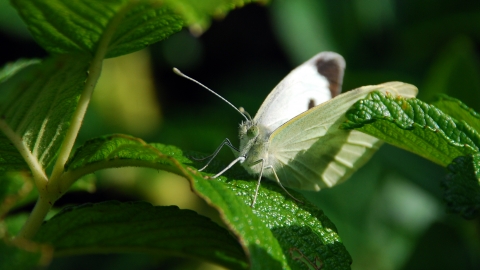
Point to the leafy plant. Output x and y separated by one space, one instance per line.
43 103
446 132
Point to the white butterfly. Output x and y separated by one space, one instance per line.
295 138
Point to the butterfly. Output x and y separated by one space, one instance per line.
295 138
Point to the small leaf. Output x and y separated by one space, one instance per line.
23 254
267 232
462 186
37 110
11 69
198 14
458 110
139 226
415 126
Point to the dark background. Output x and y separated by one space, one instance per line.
390 214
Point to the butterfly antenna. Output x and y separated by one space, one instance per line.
242 112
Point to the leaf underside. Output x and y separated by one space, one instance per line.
37 107
139 226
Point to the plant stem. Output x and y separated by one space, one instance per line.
93 75
71 135
36 218
54 189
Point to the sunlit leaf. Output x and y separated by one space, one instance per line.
415 126
37 109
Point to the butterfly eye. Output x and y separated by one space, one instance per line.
252 131
311 104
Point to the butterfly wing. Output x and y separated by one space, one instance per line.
311 152
314 82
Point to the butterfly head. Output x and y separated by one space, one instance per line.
248 130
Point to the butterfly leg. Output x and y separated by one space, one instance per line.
241 159
212 156
276 177
280 184
259 180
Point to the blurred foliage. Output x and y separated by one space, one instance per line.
390 214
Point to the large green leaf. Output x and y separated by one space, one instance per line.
272 234
415 126
117 26
462 186
139 226
36 106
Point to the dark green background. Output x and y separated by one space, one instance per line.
390 214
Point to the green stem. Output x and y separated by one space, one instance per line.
36 218
93 76
53 189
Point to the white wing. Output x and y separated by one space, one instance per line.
311 151
312 83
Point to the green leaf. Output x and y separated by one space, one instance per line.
121 150
139 226
269 233
415 126
198 14
277 225
23 254
458 110
11 69
37 110
462 186
118 26
62 26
